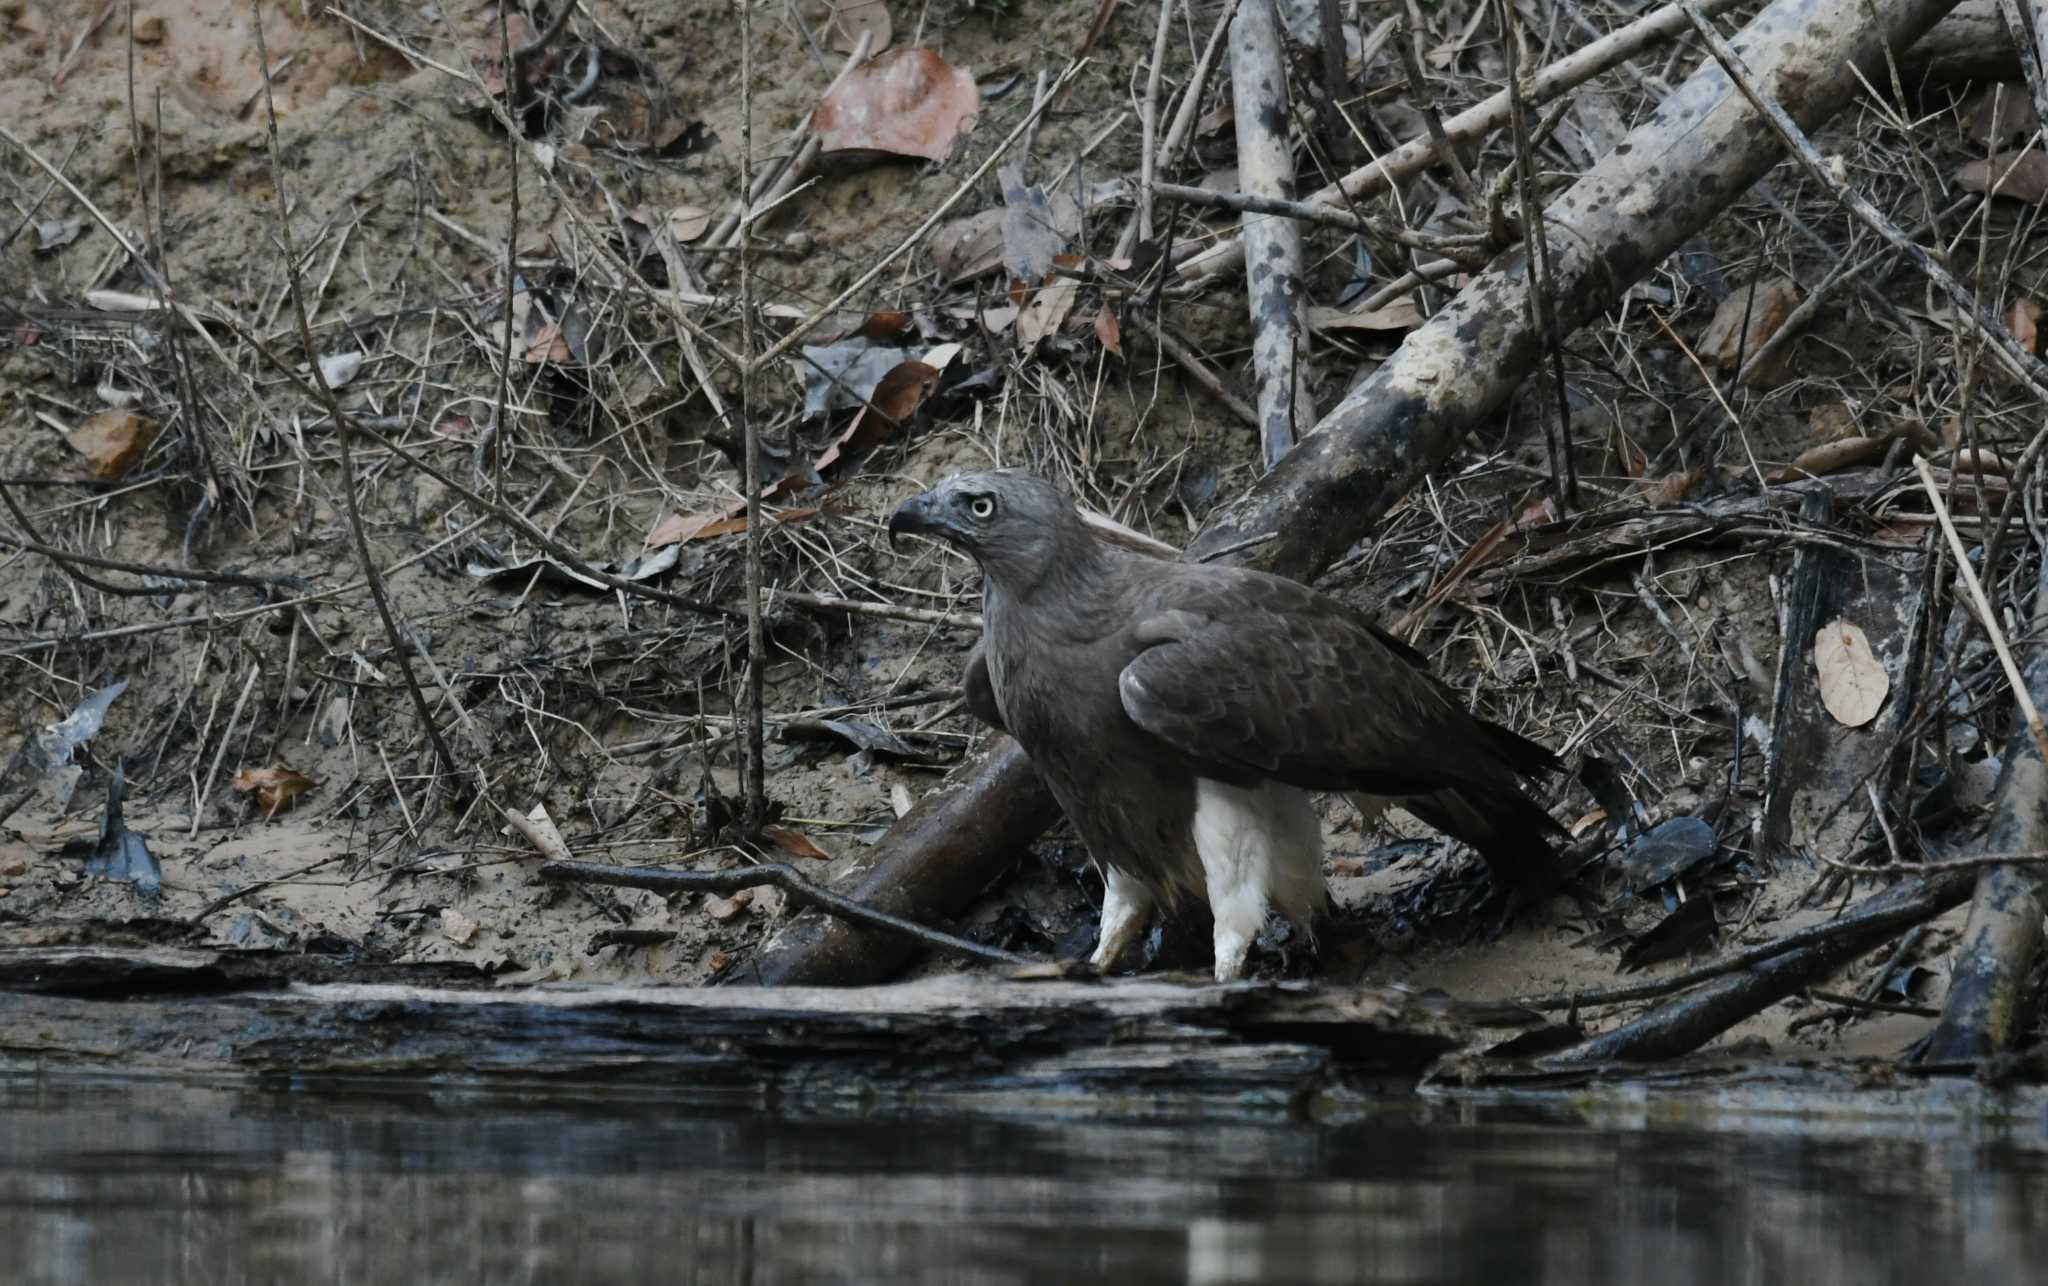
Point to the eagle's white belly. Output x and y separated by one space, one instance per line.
1260 846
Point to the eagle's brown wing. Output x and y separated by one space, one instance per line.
1252 676
1255 676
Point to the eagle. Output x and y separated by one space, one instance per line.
1183 713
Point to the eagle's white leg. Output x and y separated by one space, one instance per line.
1259 845
1125 906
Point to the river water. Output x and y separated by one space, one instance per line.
134 1181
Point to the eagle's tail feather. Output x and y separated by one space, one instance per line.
1507 829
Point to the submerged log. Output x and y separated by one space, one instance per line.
1669 178
185 1012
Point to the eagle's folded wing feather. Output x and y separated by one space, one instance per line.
1272 683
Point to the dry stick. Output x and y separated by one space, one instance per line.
2027 37
1687 161
1688 1022
1843 273
128 248
1985 615
802 147
1878 915
1470 250
800 891
1474 122
513 75
2018 359
229 618
805 327
344 429
227 735
1280 334
883 611
1148 161
1542 301
1191 364
62 557
510 517
756 784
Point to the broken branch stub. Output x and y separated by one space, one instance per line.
1701 149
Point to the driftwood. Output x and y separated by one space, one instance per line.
1265 159
1988 973
1689 1021
161 1010
1701 149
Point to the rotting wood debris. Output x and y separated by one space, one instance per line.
1722 473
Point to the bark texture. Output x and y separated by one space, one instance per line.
1265 159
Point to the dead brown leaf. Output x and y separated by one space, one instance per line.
1831 457
2023 176
113 442
274 789
1401 314
794 843
907 102
1853 682
719 908
1832 422
678 529
1107 330
1764 307
969 247
2024 320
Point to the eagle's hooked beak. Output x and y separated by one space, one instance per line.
917 516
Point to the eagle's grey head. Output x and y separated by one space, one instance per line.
1013 524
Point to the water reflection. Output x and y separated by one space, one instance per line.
146 1183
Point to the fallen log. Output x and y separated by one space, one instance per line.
1988 973
1690 1020
1004 1042
1699 151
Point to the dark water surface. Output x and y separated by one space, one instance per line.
137 1181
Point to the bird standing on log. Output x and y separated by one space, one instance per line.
1181 714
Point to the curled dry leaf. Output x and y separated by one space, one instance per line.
794 843
1107 330
113 442
1764 308
908 102
274 789
1853 682
851 18
1999 114
2023 176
